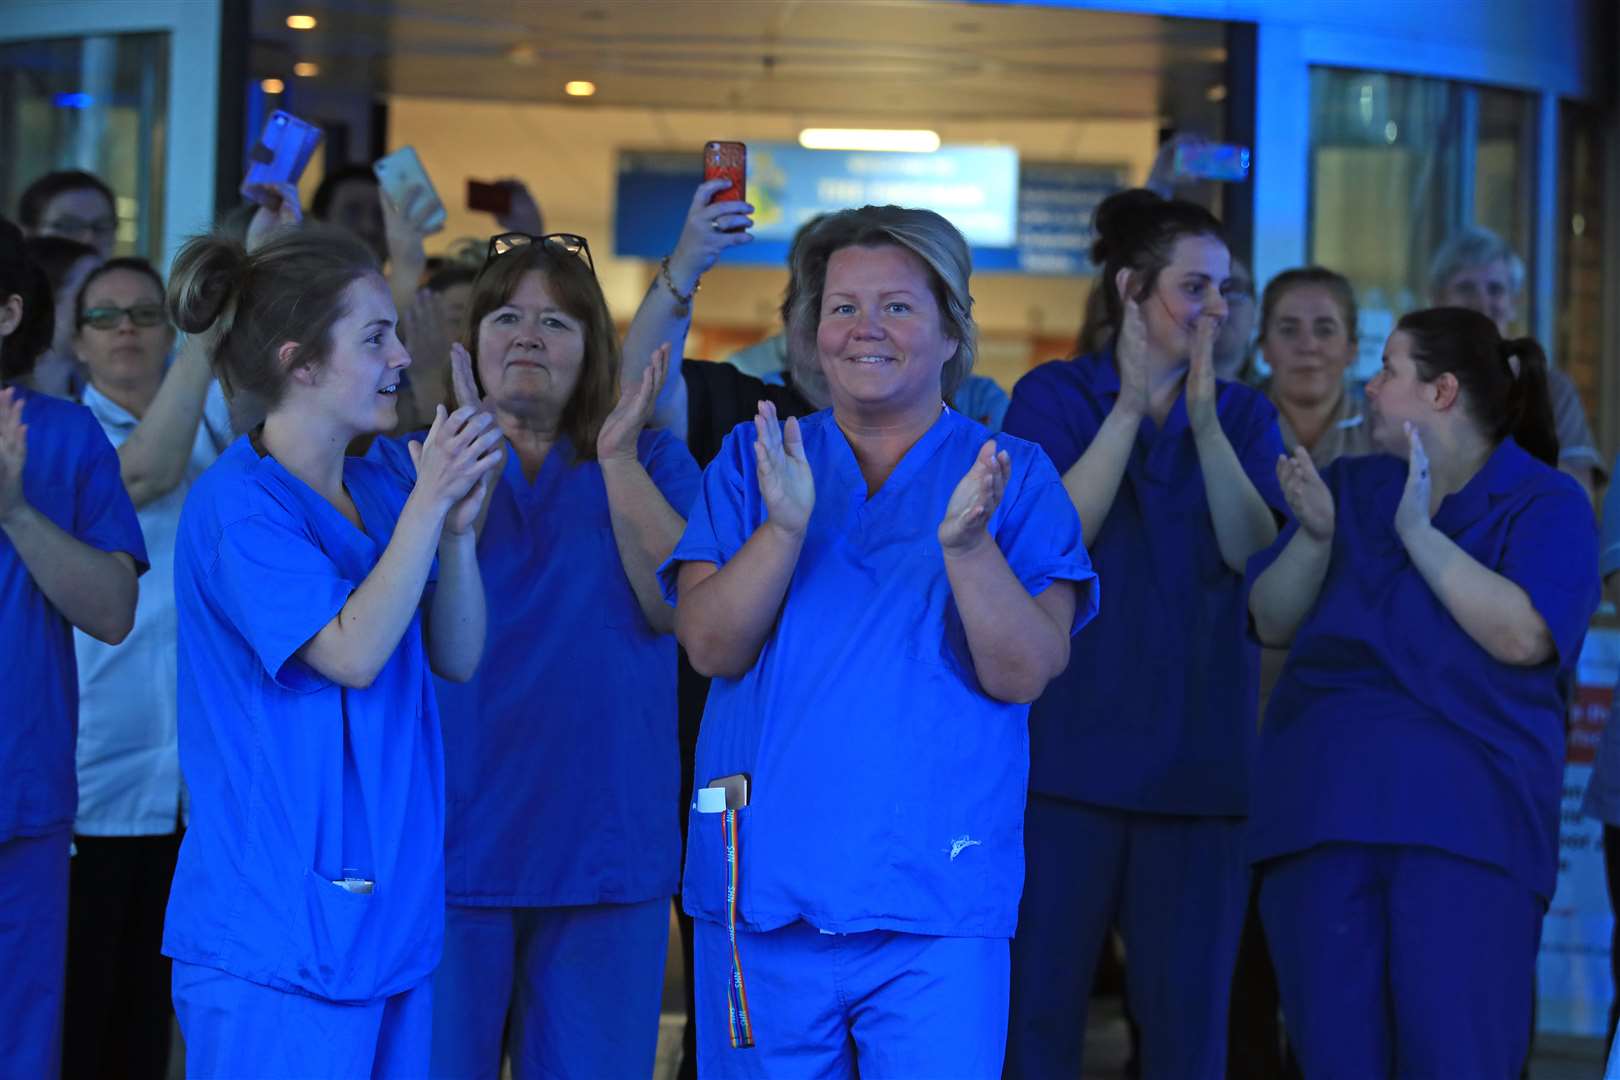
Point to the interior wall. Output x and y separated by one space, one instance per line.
568 155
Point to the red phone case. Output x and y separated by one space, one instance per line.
489 198
728 160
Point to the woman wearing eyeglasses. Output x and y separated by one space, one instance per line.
127 827
561 844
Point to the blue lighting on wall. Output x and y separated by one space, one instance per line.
73 101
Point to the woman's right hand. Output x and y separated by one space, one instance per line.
710 229
1130 352
461 448
1308 497
785 482
279 209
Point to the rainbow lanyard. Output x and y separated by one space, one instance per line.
742 1028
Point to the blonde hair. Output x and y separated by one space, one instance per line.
923 233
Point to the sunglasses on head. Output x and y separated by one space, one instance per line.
108 318
569 243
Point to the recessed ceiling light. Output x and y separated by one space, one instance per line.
522 55
913 141
305 69
272 86
1216 93
301 22
579 88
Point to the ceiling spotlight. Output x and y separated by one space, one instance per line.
1216 93
301 22
579 88
523 55
272 86
305 69
914 141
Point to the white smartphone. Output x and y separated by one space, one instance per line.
398 173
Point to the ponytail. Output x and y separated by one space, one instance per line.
1529 406
1503 383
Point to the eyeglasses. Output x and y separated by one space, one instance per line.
566 242
109 318
70 226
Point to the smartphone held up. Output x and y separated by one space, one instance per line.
281 154
401 174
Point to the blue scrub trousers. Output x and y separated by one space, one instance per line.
879 1005
239 1030
33 952
1177 888
1401 961
582 986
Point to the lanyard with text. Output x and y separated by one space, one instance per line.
742 1028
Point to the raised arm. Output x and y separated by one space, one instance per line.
153 460
406 228
665 314
351 649
645 527
725 613
1019 642
1491 608
1093 481
1243 522
94 590
1285 593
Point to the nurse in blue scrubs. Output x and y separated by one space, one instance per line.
70 551
878 591
308 904
562 844
1140 749
1407 792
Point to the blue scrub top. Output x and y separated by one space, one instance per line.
1157 709
561 764
887 787
294 779
1390 725
72 478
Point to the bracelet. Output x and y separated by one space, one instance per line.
683 304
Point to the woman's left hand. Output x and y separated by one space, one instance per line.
1412 515
617 439
974 500
1201 389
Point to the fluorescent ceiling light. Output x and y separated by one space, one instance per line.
301 22
579 88
916 142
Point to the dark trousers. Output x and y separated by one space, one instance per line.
692 694
118 1003
1611 866
1254 1042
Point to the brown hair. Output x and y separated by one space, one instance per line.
290 289
573 285
926 235
1135 230
1503 400
1344 294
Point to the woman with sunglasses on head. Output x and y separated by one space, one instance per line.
1139 751
1406 810
70 551
561 765
313 592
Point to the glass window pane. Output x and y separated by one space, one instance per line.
1398 164
94 103
1582 181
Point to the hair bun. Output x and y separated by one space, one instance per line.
1119 216
207 275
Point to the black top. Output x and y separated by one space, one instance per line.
719 397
